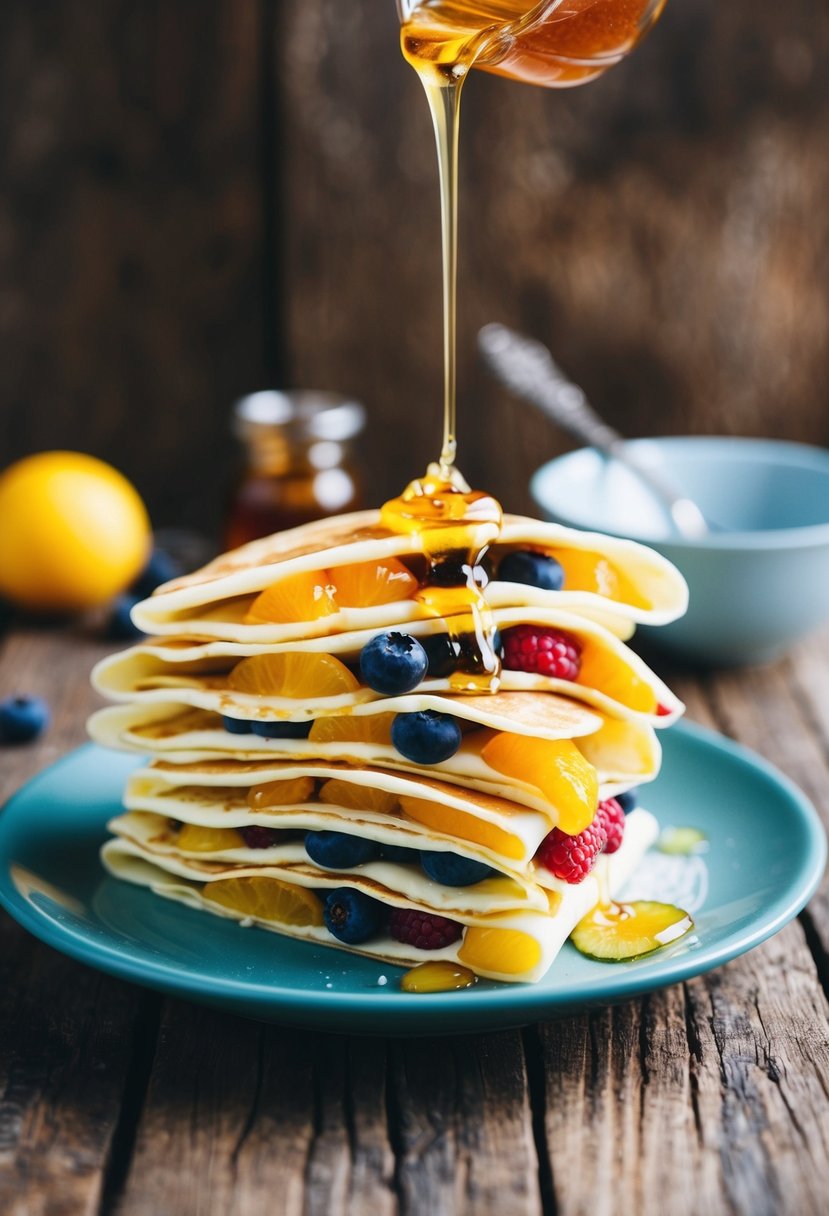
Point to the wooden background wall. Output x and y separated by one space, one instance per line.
203 197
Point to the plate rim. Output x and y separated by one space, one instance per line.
529 1002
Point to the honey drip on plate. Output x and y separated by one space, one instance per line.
438 977
456 526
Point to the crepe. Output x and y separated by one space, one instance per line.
277 793
509 944
624 754
612 677
627 582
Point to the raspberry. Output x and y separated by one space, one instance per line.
571 858
662 711
423 929
256 837
611 816
545 652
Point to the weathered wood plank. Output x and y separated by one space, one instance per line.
716 1106
68 1038
463 1127
131 237
237 1113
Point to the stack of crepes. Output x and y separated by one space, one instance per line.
283 791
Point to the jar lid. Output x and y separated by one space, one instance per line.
311 414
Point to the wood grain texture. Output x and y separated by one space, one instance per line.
131 236
663 229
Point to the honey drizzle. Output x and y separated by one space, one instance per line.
456 526
438 977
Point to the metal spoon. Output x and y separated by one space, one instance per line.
528 370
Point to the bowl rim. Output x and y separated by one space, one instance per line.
743 448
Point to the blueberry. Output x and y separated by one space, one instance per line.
534 569
442 653
351 916
120 627
399 854
237 726
426 737
282 730
339 850
628 801
22 719
161 568
452 870
393 663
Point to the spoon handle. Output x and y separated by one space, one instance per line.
528 370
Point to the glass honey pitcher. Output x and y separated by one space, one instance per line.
297 462
555 44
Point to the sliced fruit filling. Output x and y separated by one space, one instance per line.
565 569
311 595
354 918
555 653
314 594
395 663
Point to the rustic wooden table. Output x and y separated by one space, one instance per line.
710 1097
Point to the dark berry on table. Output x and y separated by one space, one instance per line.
442 653
120 626
256 837
426 737
400 854
542 651
452 870
351 916
611 817
628 801
571 858
22 719
161 568
393 663
237 726
282 730
532 569
339 850
423 930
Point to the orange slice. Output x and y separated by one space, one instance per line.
369 728
358 797
587 571
301 597
556 767
281 793
294 675
462 825
608 673
504 950
266 899
195 839
368 584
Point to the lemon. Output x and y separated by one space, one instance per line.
73 532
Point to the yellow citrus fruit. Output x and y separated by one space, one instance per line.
293 675
556 767
266 899
73 532
193 838
368 728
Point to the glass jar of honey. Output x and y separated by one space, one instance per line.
298 463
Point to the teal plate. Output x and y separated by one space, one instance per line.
765 857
